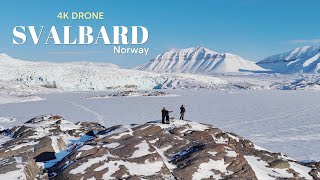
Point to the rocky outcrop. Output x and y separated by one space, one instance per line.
25 149
49 147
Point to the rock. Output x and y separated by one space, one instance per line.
19 168
32 170
315 173
247 143
44 148
23 131
280 164
180 150
61 144
45 156
37 140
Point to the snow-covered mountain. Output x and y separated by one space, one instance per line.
300 60
24 78
6 61
198 60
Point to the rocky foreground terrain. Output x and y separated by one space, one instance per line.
49 147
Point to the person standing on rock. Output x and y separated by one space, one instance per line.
167 117
163 113
182 111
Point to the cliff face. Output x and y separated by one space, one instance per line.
49 147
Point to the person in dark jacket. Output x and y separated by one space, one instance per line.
168 117
182 111
163 113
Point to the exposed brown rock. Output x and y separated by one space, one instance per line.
281 164
181 150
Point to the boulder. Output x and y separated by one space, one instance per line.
280 164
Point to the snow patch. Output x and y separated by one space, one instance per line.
262 172
143 149
112 145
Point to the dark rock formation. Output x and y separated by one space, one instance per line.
49 147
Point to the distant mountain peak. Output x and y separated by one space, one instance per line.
305 49
198 60
3 55
190 50
6 59
304 59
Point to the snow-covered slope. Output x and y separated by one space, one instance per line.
300 60
198 60
18 74
8 61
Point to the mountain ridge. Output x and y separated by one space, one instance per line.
304 59
198 60
5 58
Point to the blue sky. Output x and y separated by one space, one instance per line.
252 29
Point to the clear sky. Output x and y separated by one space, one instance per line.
252 29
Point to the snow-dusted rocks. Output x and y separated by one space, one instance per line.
138 93
198 60
300 60
132 94
4 120
27 150
51 147
303 82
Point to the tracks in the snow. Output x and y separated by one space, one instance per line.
98 116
